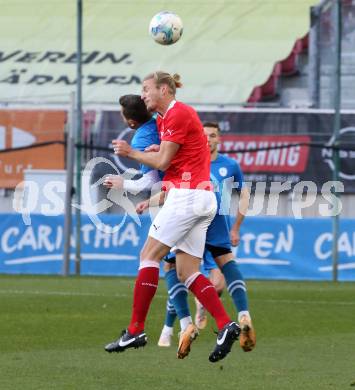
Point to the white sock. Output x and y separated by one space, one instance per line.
243 313
185 322
167 330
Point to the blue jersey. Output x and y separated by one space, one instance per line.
225 175
225 170
145 136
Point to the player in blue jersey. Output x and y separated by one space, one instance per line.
219 260
227 175
136 116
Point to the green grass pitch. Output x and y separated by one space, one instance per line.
53 330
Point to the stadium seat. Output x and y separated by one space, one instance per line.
269 89
256 95
289 66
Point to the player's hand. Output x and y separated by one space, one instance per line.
121 148
113 181
152 148
141 206
235 237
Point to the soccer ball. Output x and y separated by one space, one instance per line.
166 28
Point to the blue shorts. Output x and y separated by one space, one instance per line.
208 263
170 258
217 236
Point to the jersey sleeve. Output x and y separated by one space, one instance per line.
141 142
144 183
238 176
176 127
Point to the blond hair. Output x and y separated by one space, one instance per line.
160 77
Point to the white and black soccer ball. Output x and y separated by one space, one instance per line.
166 28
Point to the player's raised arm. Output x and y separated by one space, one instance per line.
133 186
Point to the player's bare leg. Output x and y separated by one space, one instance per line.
200 316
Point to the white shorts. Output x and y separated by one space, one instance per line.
183 220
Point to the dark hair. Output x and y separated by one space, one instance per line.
133 107
212 124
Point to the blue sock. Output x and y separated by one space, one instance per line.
235 285
177 294
170 314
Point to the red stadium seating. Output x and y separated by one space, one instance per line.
285 67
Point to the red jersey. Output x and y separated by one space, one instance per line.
190 168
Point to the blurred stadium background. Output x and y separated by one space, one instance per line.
279 78
266 71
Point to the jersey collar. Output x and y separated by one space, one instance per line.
171 105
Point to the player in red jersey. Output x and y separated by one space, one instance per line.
182 222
